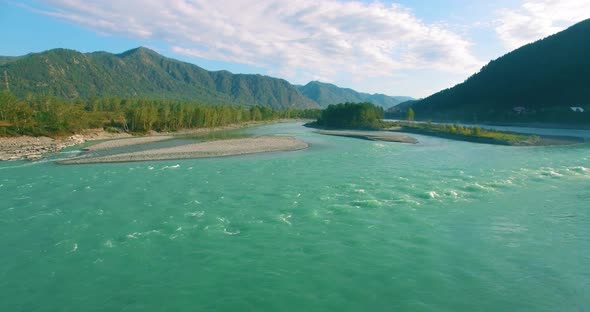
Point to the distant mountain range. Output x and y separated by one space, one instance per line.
538 82
325 94
142 72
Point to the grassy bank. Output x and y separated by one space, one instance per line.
479 135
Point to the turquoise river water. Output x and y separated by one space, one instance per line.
346 225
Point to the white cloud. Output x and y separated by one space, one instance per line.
537 19
297 39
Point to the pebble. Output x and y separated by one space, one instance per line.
33 148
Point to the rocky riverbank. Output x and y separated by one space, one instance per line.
32 148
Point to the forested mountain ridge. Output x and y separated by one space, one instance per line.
7 59
142 72
326 94
538 82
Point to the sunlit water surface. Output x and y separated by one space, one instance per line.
347 225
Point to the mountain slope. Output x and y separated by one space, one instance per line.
8 59
326 94
142 72
542 80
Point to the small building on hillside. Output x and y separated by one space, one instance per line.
577 109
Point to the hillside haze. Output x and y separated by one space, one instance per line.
325 94
142 72
538 82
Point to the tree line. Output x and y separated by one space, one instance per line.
351 116
54 117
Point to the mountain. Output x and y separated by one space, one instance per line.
326 94
402 107
538 82
7 59
142 72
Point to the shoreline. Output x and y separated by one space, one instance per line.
540 125
525 140
370 136
35 148
218 148
533 140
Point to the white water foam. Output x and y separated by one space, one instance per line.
236 232
407 200
433 194
453 194
192 202
27 164
369 203
579 170
555 173
475 187
502 183
285 218
196 214
38 215
136 235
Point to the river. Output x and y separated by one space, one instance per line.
346 225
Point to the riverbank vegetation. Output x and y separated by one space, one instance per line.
472 134
49 116
350 116
366 116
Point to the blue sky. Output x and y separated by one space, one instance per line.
394 47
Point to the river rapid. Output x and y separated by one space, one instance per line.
346 225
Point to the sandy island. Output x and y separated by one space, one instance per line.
126 142
34 148
200 150
371 136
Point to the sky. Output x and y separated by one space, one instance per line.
412 48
